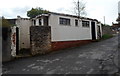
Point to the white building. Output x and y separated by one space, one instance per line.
66 27
66 30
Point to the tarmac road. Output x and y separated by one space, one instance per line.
93 58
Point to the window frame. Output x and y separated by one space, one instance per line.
85 24
76 22
64 21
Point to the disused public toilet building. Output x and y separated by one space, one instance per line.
54 31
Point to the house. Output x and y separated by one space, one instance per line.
56 31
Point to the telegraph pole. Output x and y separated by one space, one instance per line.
104 20
78 8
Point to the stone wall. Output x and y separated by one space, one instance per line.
107 30
40 39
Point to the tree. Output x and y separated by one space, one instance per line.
36 11
79 8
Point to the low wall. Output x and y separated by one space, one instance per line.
67 44
40 39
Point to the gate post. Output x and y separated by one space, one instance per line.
40 39
13 41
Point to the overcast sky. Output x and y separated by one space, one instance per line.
95 8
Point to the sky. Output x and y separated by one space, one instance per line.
95 9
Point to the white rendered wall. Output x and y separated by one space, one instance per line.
68 33
37 22
24 33
96 30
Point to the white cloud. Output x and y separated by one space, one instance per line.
100 8
13 12
95 8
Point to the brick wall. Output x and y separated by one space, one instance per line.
68 44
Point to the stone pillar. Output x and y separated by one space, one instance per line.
40 39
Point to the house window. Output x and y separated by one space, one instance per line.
34 22
85 23
64 21
39 21
76 22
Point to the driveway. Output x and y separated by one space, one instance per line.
94 58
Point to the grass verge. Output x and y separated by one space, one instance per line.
106 36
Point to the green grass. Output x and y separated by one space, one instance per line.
106 36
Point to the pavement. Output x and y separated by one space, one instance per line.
94 58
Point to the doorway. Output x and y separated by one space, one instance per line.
17 40
93 30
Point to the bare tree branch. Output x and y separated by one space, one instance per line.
79 8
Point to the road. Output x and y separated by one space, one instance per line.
94 58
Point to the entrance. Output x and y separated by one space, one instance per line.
17 40
93 30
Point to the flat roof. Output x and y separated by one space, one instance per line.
62 14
